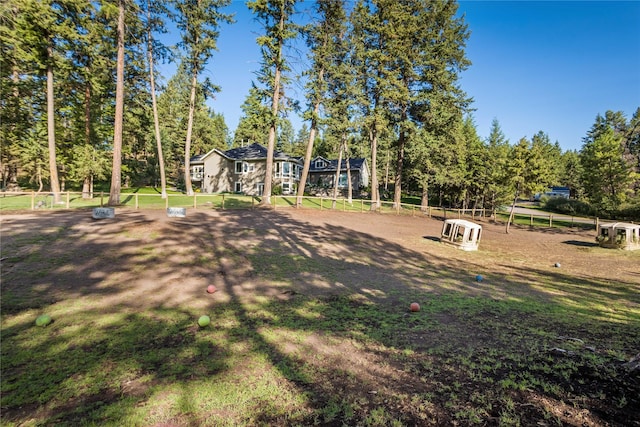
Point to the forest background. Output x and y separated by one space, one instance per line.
381 80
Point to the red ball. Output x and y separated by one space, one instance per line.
414 306
211 289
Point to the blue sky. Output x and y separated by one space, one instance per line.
536 66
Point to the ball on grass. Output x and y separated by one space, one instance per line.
414 307
479 278
211 289
557 265
43 320
204 321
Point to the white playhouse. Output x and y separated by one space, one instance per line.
461 233
621 235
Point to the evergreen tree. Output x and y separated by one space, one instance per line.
369 43
571 172
116 168
253 125
300 142
41 32
199 22
209 128
155 23
325 39
529 171
285 135
607 176
475 149
496 183
276 17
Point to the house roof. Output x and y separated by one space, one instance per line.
332 165
254 151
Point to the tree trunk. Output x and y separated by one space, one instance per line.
309 152
51 128
337 178
349 186
87 110
156 120
375 196
86 187
386 172
424 202
397 191
187 144
513 206
268 179
116 169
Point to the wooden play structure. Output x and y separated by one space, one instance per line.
619 235
461 233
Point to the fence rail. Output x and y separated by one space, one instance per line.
73 200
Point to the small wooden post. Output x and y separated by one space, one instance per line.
550 220
101 197
361 205
223 201
531 221
137 204
195 201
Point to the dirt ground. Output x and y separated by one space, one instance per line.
320 235
323 252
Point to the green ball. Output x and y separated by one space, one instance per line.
43 320
204 321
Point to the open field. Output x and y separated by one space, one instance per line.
310 324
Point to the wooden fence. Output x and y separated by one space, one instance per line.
72 200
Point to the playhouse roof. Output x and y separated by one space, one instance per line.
626 225
463 222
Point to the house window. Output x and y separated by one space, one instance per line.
197 173
286 188
244 167
238 187
319 164
286 169
260 188
342 181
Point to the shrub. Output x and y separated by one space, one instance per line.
567 206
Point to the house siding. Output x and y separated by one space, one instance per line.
220 170
218 175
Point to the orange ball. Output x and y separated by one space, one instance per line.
414 306
211 289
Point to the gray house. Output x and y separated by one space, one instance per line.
242 170
322 175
